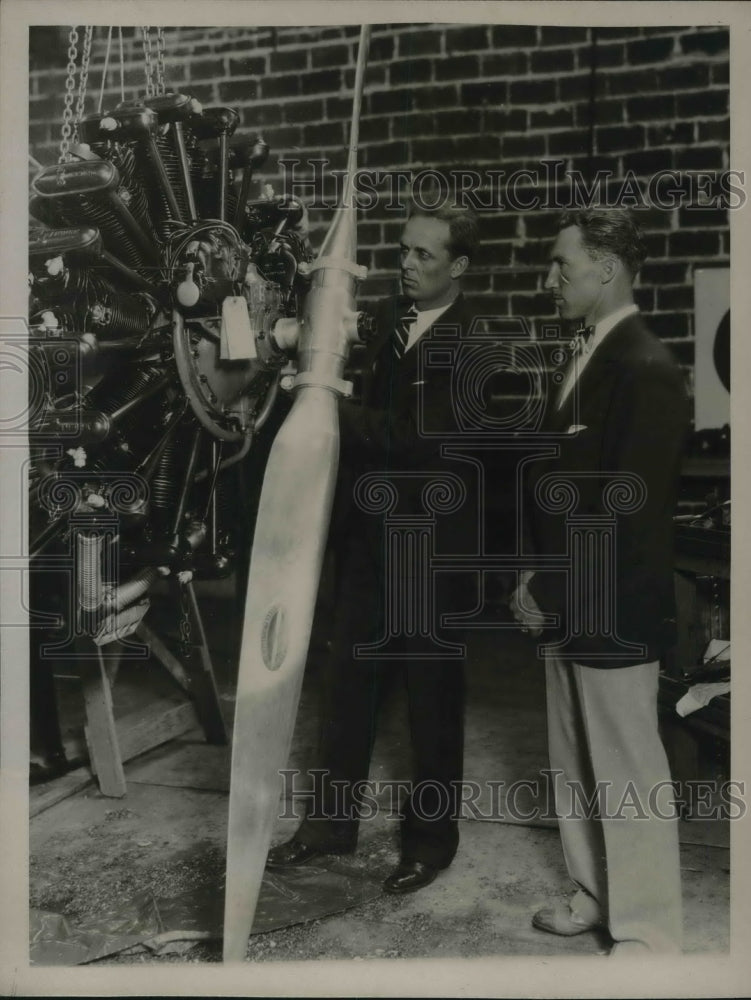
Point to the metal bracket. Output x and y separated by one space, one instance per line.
340 386
359 271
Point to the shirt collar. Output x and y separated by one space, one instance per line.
603 328
425 319
432 314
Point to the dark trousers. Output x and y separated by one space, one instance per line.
46 738
353 692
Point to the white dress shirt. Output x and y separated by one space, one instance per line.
581 360
425 319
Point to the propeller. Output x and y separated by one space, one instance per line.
287 554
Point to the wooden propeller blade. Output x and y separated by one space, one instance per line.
288 547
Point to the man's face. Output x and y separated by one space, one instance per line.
574 279
428 272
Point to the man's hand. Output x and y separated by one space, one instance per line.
524 608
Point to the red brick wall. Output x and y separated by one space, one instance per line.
455 97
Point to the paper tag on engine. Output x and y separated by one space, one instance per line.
236 341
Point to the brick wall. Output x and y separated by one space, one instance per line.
461 97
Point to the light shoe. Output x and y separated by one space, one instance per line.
580 914
560 920
626 949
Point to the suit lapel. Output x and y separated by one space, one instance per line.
383 352
575 401
452 317
599 368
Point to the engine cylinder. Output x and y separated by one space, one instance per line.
165 487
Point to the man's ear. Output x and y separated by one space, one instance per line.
459 266
609 267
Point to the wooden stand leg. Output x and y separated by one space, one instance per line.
142 731
161 652
202 679
101 732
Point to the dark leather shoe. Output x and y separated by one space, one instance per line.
291 854
409 877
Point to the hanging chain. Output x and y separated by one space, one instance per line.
104 69
186 633
161 85
146 32
83 79
70 83
715 627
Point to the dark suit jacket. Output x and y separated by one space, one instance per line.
383 432
384 428
633 410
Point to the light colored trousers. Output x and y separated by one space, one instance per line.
603 739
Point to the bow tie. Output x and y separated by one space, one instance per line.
582 340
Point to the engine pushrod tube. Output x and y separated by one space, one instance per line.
223 152
128 273
148 466
164 180
182 156
135 403
187 480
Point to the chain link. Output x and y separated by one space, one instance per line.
146 32
186 633
161 85
83 79
70 83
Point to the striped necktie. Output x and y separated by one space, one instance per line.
401 331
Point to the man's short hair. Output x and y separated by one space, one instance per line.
608 231
464 228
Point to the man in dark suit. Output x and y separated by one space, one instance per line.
622 414
383 434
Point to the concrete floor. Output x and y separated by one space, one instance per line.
92 857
